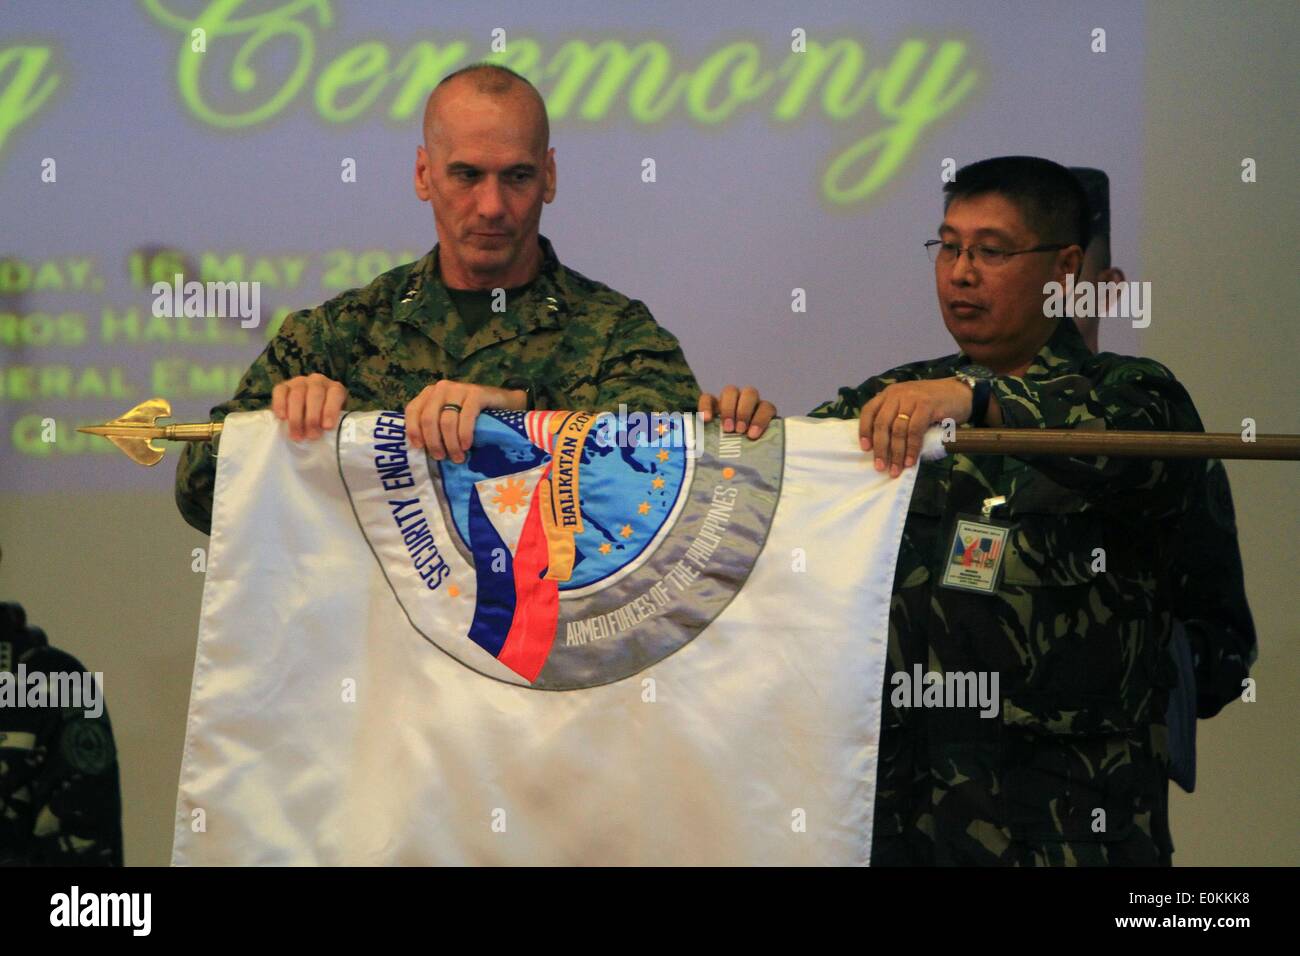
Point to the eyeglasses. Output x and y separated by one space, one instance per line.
946 253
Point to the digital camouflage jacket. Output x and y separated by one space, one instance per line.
574 343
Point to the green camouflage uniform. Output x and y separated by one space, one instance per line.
1213 642
1210 593
60 803
573 343
1081 656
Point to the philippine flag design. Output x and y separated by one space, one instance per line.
503 503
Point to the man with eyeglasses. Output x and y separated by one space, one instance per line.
1042 570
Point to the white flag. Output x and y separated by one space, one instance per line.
592 643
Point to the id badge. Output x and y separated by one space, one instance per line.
975 553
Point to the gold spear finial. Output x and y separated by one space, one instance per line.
134 432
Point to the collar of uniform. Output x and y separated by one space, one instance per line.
1065 347
423 302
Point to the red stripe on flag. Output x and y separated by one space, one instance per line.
539 430
548 438
537 602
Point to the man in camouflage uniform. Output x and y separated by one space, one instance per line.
1072 768
1073 771
60 804
1213 643
431 336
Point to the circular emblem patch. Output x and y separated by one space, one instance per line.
570 549
87 746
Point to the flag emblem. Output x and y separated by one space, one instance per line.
578 545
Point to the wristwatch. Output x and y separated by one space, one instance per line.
980 380
525 386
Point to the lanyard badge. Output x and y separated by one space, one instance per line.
979 543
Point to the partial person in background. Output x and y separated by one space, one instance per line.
60 801
1213 644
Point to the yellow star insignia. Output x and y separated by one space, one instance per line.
663 455
627 531
657 483
604 547
643 508
663 429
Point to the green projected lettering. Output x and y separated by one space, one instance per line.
24 91
905 93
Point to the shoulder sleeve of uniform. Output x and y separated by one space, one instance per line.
74 799
1111 392
312 340
1210 593
643 366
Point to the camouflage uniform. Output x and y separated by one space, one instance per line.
1081 656
1213 642
573 343
1209 597
60 804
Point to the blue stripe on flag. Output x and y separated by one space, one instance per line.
496 589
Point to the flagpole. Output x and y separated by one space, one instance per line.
134 431
1122 444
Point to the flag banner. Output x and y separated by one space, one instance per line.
602 639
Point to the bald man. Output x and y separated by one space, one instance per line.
489 319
